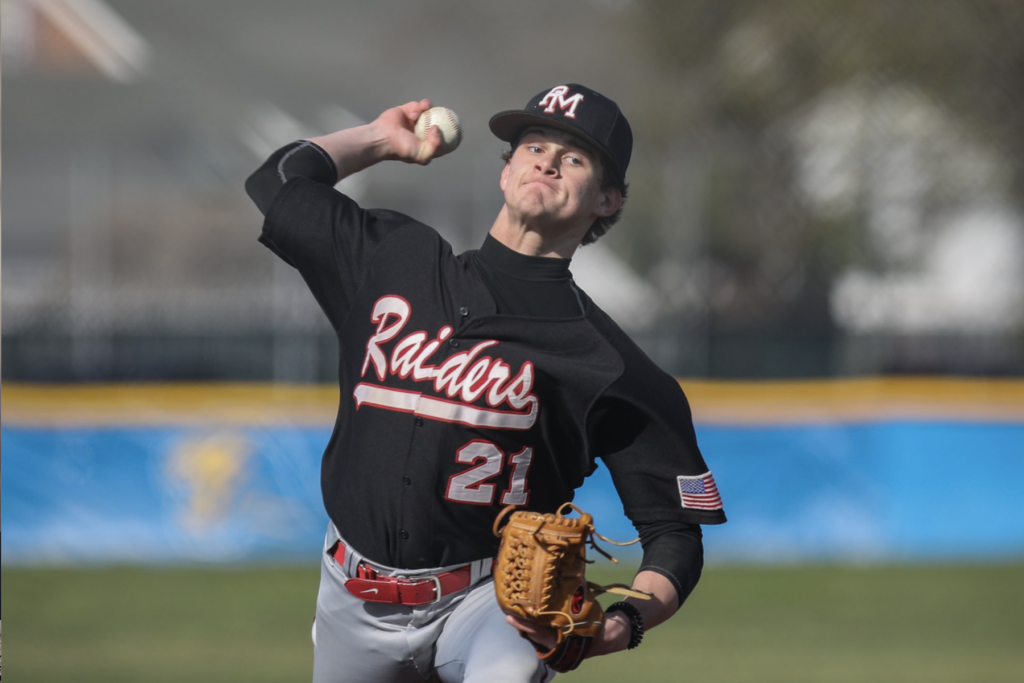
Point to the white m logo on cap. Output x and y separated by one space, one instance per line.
556 97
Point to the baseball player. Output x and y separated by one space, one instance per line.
474 381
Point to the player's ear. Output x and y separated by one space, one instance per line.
504 176
609 201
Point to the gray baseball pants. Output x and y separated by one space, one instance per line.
462 638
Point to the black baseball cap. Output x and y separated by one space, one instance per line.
578 110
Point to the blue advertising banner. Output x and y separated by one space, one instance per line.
864 492
161 495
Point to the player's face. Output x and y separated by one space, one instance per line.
555 179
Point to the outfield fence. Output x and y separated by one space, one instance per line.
858 471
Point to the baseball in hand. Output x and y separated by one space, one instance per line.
447 121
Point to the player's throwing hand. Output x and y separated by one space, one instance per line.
396 128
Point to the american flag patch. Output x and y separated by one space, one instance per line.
700 492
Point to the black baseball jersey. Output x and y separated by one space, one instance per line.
450 411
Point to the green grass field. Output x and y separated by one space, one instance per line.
787 625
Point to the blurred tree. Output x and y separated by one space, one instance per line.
738 74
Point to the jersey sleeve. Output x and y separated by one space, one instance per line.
299 159
642 429
328 238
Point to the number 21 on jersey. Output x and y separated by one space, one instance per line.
472 485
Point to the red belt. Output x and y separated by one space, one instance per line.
368 585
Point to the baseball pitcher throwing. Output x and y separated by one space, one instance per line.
473 382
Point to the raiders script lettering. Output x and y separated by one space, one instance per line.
465 377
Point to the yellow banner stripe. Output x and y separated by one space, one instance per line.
713 402
856 400
168 404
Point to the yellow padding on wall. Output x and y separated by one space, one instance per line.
168 404
856 400
713 402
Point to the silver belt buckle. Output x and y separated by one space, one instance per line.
437 590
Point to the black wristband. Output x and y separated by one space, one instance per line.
636 622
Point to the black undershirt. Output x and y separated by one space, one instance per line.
534 286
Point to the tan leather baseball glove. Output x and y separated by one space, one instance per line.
540 576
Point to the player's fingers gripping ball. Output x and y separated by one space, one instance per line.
447 123
540 576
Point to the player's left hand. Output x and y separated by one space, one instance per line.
543 637
613 637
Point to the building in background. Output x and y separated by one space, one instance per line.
811 194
